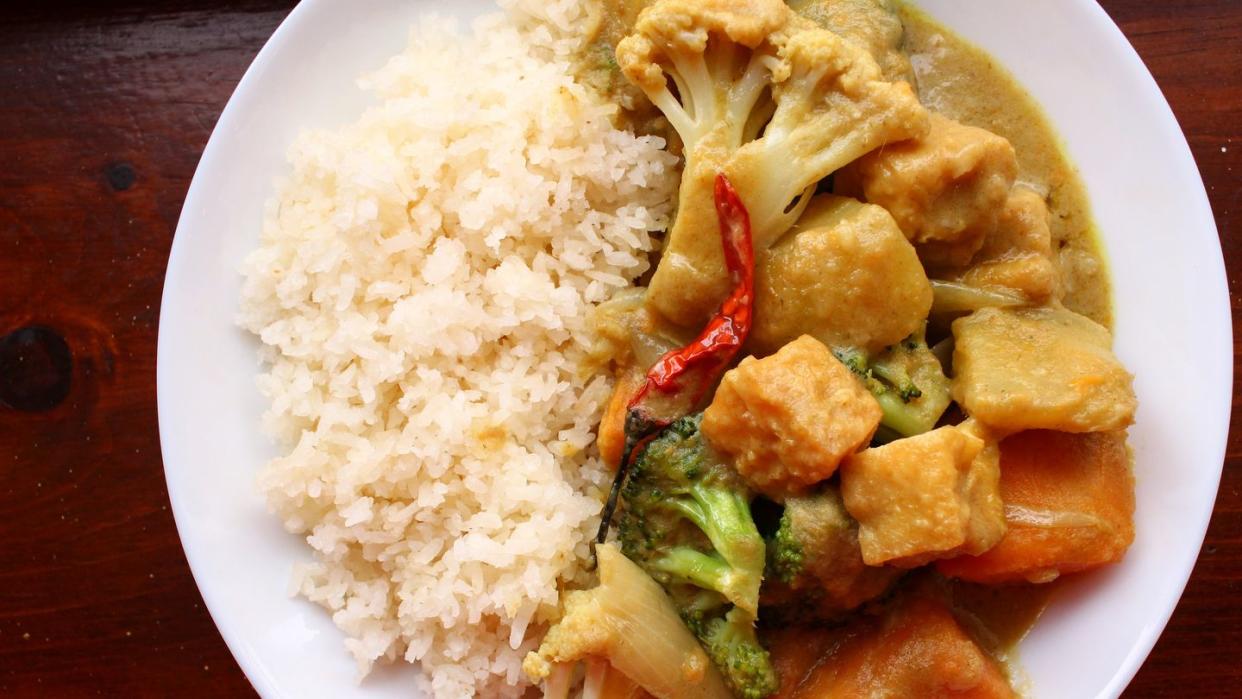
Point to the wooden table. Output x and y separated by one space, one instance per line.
104 110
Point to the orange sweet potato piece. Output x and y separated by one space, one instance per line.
916 650
795 652
1069 506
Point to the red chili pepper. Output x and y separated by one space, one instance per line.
679 380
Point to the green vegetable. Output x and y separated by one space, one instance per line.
786 556
815 560
908 383
687 522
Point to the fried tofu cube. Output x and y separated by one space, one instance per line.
917 649
1069 502
944 189
1042 368
845 275
1017 254
987 508
922 498
787 420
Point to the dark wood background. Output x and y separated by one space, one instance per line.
104 110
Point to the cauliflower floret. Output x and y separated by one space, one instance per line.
1017 255
717 54
770 100
871 24
944 189
629 621
787 420
845 275
1040 368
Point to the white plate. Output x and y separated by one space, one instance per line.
1172 323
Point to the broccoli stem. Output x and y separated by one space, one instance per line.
723 514
702 569
899 380
898 415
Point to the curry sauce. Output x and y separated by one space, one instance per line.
883 609
964 83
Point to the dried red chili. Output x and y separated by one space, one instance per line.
679 380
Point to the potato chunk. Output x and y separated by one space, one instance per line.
1069 504
917 649
845 275
1043 368
787 420
922 498
1017 255
944 189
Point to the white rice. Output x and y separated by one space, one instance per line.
421 292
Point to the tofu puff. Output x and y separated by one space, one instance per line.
788 420
931 496
945 189
1017 255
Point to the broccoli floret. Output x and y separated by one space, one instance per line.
766 98
908 383
687 517
786 557
731 643
687 522
815 564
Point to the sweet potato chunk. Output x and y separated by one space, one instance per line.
787 420
944 189
1069 505
1040 368
845 275
917 650
922 498
1017 254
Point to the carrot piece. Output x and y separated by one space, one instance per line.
611 436
1069 506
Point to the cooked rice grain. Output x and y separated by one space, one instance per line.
421 292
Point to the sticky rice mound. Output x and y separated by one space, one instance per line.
421 293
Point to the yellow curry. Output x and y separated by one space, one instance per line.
866 407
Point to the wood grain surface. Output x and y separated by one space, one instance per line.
104 110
